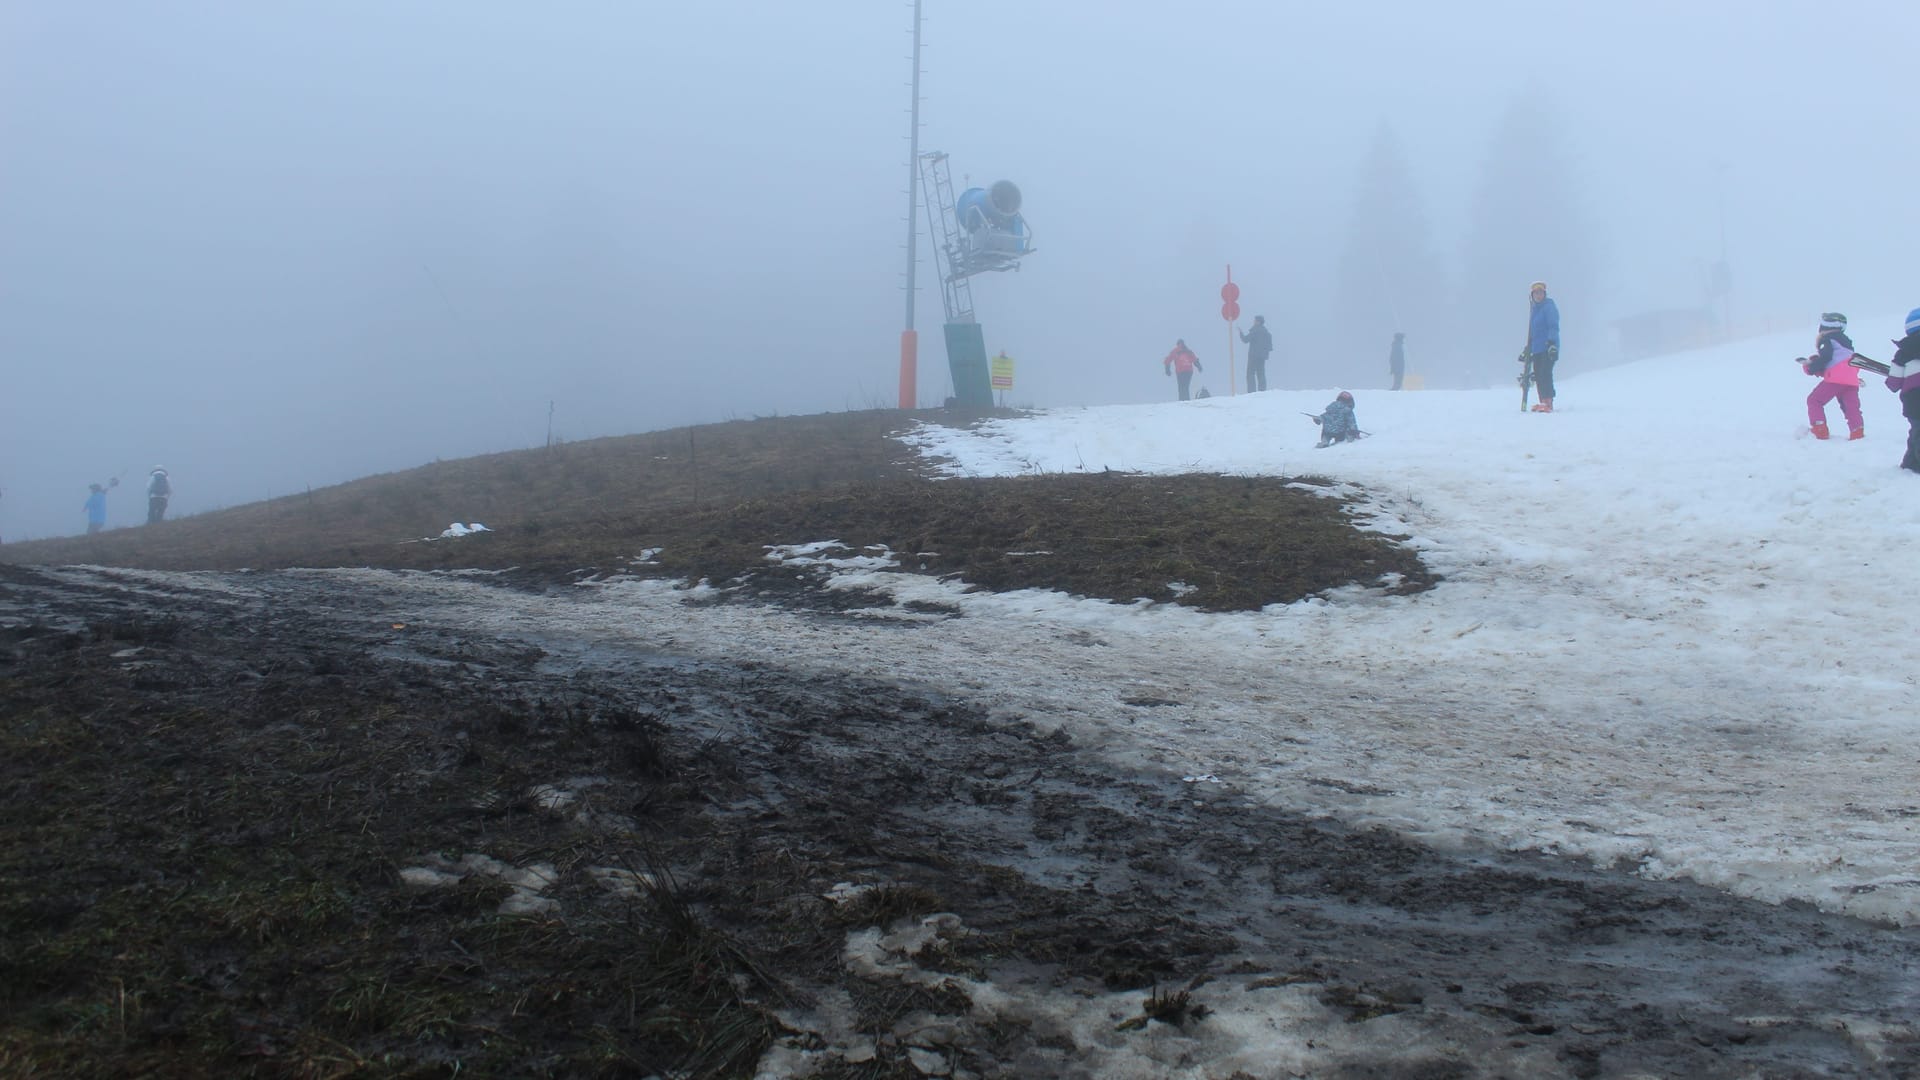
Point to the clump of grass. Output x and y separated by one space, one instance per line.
1175 1007
883 904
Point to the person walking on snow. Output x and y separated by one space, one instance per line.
1183 363
1337 422
1903 378
1397 359
1259 341
1543 343
159 490
1838 379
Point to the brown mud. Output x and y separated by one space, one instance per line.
254 826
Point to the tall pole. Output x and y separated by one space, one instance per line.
1726 271
909 339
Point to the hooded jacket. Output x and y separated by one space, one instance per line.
1830 360
1337 423
1259 341
1182 360
1543 326
1903 371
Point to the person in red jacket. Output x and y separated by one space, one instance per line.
1183 363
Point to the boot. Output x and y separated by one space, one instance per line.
1820 429
1545 404
1856 433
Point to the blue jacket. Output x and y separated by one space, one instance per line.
1543 326
97 508
1337 423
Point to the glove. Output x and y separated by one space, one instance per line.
1197 367
1169 373
1553 351
1522 358
1316 420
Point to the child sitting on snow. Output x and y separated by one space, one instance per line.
1838 379
1337 423
1903 378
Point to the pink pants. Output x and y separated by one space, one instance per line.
1849 404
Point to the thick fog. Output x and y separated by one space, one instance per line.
273 246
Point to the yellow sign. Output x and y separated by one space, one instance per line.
1002 372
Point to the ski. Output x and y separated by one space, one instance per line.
1867 364
1526 378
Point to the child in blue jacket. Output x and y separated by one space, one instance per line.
1337 422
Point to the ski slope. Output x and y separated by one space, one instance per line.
1677 633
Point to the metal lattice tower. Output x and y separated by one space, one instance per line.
943 226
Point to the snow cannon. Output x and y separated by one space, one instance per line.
996 207
993 235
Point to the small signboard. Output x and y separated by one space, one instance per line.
1002 372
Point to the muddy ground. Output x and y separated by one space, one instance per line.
254 826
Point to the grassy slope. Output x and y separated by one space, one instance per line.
712 497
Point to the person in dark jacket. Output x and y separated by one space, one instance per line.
1543 343
1259 341
1397 359
1337 422
1903 378
159 490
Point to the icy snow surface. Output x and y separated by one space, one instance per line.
1676 634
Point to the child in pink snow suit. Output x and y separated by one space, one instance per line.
1838 379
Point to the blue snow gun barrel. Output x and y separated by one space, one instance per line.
996 235
996 207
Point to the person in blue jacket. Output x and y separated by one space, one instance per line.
1543 343
96 507
1337 422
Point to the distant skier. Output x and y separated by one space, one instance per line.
159 490
96 508
1543 343
1903 378
1838 379
1183 363
1337 422
1397 359
1259 341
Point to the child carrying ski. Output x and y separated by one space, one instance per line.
1903 378
1337 422
1838 379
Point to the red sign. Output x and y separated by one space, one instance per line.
1231 309
1230 292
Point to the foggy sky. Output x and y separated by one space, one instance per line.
273 246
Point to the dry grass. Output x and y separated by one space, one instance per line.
199 864
712 498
